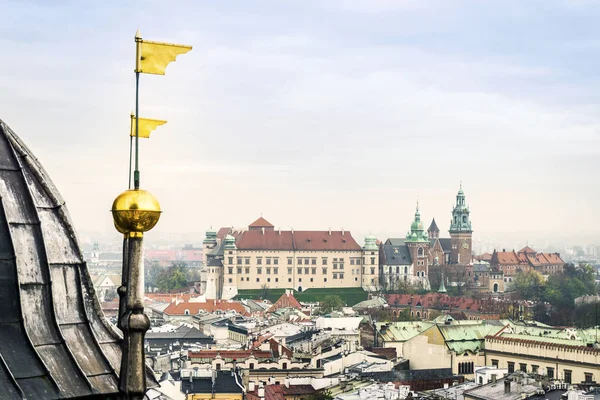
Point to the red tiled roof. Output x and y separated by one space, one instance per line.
506 258
287 300
436 300
527 250
261 223
553 258
295 240
279 392
209 306
237 354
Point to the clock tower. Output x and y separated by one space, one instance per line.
461 233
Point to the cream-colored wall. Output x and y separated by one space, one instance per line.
578 360
427 350
286 278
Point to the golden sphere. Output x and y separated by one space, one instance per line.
135 211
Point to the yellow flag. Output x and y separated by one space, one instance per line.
153 57
146 126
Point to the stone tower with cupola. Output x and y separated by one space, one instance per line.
370 267
461 233
417 241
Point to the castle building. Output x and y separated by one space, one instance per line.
406 259
242 259
410 258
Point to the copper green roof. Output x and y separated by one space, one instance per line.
402 331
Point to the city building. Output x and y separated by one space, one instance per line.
242 259
512 262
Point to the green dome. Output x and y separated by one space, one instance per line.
230 242
416 226
370 243
211 236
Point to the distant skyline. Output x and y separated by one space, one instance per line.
318 114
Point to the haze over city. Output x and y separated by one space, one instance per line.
319 114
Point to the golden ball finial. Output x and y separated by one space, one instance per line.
135 211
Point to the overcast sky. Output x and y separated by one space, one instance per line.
317 113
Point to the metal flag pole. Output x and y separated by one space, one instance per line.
130 150
138 51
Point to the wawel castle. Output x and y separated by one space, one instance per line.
262 256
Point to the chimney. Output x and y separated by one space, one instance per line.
261 391
506 386
191 378
329 231
504 250
251 386
342 231
263 230
279 231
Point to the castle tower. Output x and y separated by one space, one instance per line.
461 233
433 231
370 275
95 258
417 242
229 275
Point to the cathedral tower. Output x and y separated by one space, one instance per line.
417 242
461 233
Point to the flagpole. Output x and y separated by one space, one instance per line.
130 150
138 50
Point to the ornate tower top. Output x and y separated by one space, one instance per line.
433 230
230 243
460 214
417 234
370 243
211 236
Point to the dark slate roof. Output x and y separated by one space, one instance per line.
396 255
182 333
395 241
214 262
446 244
481 267
56 342
224 383
433 227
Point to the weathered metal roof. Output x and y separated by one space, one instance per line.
55 341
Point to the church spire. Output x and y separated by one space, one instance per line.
460 214
442 288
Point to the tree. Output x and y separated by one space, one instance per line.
527 285
264 291
331 303
172 278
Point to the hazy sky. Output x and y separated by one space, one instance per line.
318 114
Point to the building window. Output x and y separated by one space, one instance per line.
290 261
334 276
299 261
589 378
299 271
495 363
324 279
259 260
511 367
550 372
187 312
230 280
276 261
313 271
324 271
289 279
523 367
247 270
257 279
268 271
313 261
299 279
276 271
568 376
247 279
247 260
363 270
372 260
276 279
239 260
230 260
268 260
306 261
324 260
420 252
306 271
251 366
259 271
352 261
334 265
356 279
535 368
341 276
230 270
268 279
239 270
290 271
312 279
372 270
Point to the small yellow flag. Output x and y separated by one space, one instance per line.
146 126
153 57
